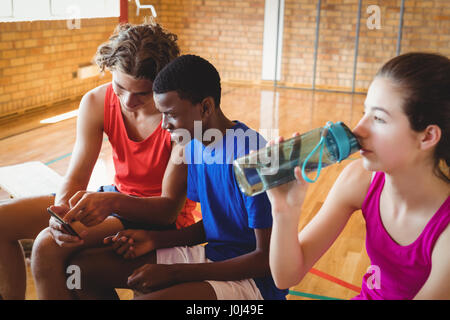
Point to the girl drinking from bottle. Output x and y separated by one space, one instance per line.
401 184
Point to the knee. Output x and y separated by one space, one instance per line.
85 261
6 217
23 218
45 252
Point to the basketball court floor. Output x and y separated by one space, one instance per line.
273 111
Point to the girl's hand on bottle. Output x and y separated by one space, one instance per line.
288 198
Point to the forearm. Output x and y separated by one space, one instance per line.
189 236
252 265
67 190
149 210
286 255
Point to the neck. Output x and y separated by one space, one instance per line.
416 187
219 122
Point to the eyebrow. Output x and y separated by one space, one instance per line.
378 108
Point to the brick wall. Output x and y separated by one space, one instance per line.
38 59
229 33
426 28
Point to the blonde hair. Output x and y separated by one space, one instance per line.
140 51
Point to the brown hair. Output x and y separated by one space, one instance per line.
425 81
140 51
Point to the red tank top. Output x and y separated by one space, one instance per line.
139 165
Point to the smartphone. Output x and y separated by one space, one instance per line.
65 225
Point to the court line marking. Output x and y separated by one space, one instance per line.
59 158
310 295
64 156
335 280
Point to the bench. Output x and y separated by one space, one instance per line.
29 179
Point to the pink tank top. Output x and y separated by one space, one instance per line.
397 272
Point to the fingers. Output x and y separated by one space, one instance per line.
281 139
64 239
76 213
113 238
121 234
86 216
108 240
121 244
53 224
299 177
78 204
76 198
136 277
59 210
276 141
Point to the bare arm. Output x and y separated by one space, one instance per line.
85 153
135 243
437 286
251 265
293 254
164 209
92 208
87 145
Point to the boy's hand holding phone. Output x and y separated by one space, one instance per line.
61 231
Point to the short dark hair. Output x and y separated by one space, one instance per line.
140 51
424 79
192 77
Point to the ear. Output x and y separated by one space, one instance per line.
208 107
430 137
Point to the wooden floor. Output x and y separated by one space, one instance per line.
338 274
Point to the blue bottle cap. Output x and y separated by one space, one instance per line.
342 140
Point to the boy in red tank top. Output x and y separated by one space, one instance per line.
145 179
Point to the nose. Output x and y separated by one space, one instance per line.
165 123
360 131
130 100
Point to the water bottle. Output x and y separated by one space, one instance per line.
274 165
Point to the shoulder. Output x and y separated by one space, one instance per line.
355 173
95 96
437 286
440 251
352 184
91 110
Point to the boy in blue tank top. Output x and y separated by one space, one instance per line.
234 263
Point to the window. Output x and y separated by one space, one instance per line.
29 10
